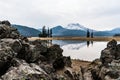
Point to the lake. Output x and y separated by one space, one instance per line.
83 50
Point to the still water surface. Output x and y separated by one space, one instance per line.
81 50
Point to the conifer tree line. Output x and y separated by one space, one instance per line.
45 32
89 34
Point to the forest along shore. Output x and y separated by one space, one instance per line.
76 38
21 59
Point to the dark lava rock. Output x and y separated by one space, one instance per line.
113 74
23 51
25 71
69 74
111 52
106 56
67 61
5 23
17 46
6 55
28 53
58 63
54 52
21 59
112 44
6 31
32 53
117 55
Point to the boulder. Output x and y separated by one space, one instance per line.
17 46
106 56
67 61
25 71
112 44
61 62
6 22
7 31
112 52
93 69
69 74
6 55
113 74
54 52
87 75
47 68
58 63
32 53
28 52
117 55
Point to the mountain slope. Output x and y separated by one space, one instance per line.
108 33
27 31
78 30
60 31
77 26
115 30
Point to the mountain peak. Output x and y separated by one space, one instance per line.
76 26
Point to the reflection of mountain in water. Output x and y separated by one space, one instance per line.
70 44
74 46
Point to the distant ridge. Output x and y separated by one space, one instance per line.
60 31
26 31
75 29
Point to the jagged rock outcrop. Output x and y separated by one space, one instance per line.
24 71
6 31
109 68
54 52
21 59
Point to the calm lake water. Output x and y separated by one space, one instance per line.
81 50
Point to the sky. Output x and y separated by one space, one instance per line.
95 14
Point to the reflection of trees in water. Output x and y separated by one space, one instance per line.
72 44
92 42
89 42
66 42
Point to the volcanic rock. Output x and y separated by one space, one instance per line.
7 31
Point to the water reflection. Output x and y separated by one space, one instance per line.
76 42
72 43
85 50
89 42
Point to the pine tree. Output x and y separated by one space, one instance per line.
92 34
43 33
50 32
88 33
40 35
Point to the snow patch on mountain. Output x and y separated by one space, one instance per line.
76 26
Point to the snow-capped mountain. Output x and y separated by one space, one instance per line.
77 26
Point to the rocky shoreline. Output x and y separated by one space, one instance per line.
21 59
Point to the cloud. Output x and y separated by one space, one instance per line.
97 14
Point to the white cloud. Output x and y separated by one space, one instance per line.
97 14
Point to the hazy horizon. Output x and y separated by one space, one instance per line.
94 14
